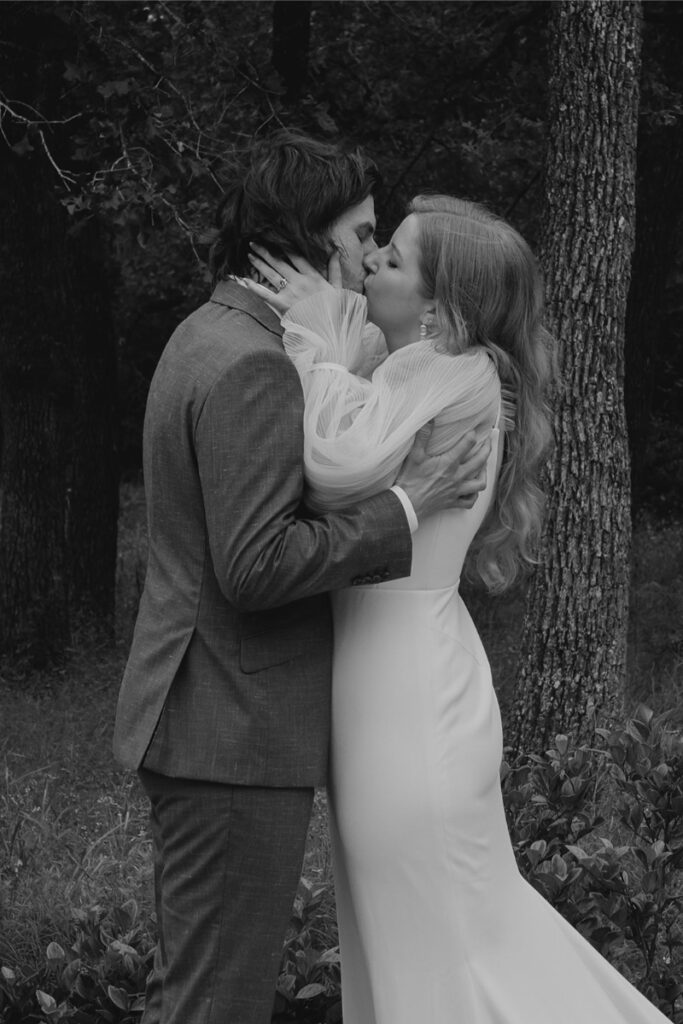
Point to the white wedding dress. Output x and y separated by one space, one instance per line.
436 924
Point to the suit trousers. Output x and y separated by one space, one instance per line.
227 862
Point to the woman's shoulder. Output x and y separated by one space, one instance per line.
430 355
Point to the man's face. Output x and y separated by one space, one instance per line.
354 235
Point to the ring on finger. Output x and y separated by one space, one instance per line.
282 283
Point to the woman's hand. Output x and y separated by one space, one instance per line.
290 281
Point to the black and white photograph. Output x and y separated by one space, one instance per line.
341 512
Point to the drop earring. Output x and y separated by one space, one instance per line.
425 324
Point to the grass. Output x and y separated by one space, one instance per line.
73 827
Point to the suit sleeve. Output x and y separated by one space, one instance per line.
265 548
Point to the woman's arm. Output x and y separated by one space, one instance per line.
449 479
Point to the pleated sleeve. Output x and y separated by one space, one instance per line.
363 406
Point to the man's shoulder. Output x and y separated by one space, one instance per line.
231 320
234 301
214 340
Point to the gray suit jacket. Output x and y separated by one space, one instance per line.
228 677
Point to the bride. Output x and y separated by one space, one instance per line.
436 924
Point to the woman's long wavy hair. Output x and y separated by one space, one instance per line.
489 292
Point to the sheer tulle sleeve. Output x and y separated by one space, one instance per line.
363 407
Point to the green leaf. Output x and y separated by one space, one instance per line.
311 991
330 956
55 952
578 852
651 881
23 147
286 985
108 89
48 1004
118 996
644 714
121 947
561 744
559 866
72 73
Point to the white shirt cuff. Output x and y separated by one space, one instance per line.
407 507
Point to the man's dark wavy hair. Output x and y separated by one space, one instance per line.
285 192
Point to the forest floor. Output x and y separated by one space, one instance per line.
73 828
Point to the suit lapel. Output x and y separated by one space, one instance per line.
236 296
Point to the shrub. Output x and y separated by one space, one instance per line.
99 980
623 893
309 986
597 830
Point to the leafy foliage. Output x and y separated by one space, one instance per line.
624 893
310 975
444 96
101 978
159 96
597 830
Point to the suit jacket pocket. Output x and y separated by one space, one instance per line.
265 650
274 637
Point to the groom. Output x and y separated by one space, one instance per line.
225 702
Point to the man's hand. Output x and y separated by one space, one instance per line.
290 282
451 480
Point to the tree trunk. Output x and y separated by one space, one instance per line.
659 214
573 652
92 467
58 477
291 36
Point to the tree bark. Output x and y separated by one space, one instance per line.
659 216
573 651
58 474
291 37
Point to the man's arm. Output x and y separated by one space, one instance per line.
451 480
266 550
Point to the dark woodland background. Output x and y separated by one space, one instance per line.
132 111
119 122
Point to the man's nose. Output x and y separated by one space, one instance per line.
370 258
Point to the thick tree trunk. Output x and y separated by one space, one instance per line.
58 479
34 607
92 468
291 36
659 215
573 653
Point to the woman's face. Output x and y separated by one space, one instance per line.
394 288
